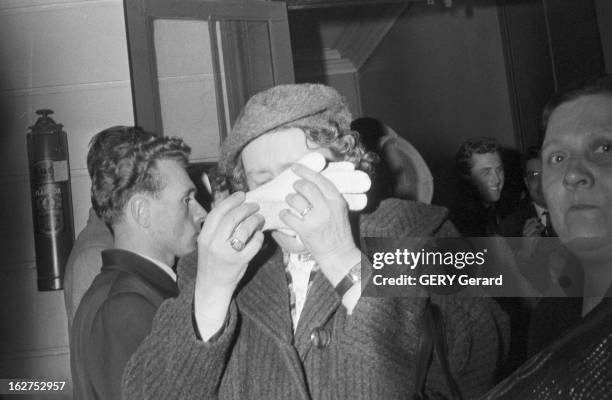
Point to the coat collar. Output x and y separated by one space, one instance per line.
264 296
132 263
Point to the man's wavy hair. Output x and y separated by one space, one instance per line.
479 145
344 146
122 161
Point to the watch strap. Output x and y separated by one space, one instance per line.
349 280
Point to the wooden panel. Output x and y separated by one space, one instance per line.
574 39
89 47
529 66
604 21
226 9
308 4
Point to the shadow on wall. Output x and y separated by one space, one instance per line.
514 187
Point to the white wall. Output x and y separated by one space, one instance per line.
70 56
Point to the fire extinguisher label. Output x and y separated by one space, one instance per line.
60 171
48 208
47 171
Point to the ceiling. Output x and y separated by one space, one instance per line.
337 36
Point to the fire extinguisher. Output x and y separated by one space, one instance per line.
51 199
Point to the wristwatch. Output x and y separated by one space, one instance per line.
351 278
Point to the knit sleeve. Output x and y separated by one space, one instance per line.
384 331
476 333
164 364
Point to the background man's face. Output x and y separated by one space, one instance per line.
533 181
176 216
270 154
577 168
487 175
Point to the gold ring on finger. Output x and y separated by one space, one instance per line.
237 244
305 211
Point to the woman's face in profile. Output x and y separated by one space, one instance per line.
577 170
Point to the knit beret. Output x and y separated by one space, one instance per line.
308 105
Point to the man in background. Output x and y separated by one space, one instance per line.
141 190
479 162
84 261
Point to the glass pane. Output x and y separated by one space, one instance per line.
247 60
187 85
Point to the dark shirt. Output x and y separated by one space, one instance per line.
473 218
115 315
513 224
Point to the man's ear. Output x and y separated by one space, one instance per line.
139 207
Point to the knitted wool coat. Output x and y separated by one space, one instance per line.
369 354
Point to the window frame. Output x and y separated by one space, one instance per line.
140 16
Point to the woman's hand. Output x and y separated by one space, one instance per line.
230 238
320 218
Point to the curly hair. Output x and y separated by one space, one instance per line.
344 146
479 145
122 161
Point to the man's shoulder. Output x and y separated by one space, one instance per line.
112 286
95 234
84 259
92 301
396 217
